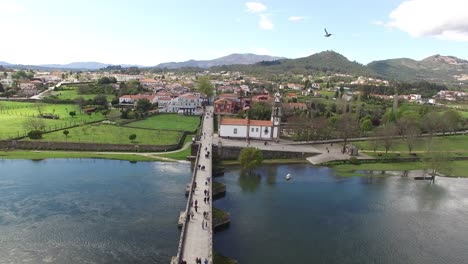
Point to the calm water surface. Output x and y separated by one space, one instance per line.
320 218
90 211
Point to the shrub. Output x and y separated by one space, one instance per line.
35 134
354 161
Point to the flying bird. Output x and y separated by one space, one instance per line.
327 34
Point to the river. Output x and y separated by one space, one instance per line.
317 217
90 211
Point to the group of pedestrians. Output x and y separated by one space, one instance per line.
197 261
206 199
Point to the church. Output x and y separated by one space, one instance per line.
253 129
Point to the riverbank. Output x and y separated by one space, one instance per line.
269 161
40 155
459 168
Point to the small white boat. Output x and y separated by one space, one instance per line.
288 176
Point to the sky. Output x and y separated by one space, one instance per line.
148 32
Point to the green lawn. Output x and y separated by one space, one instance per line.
72 94
39 155
111 134
457 143
459 168
168 122
14 116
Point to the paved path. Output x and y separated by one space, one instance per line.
321 152
198 238
331 152
281 146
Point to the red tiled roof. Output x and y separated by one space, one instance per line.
234 121
228 95
261 123
244 122
140 96
148 80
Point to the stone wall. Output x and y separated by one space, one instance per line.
40 145
232 153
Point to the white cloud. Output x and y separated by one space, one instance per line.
255 7
378 22
265 22
296 18
446 19
10 6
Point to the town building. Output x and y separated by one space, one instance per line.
225 106
253 129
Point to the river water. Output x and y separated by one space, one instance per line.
90 211
102 211
318 217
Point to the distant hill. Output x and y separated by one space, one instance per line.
236 58
437 68
78 65
4 63
326 61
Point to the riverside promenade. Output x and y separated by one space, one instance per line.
196 238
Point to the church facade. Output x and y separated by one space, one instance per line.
253 129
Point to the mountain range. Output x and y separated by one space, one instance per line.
437 68
235 58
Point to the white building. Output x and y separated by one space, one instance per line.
133 99
253 129
188 103
246 129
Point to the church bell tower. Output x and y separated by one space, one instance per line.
276 116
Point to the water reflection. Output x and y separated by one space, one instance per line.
249 182
90 211
318 217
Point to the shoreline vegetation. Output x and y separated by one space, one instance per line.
459 168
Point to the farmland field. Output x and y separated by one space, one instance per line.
72 94
111 134
14 116
168 122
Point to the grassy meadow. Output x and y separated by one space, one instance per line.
453 145
14 117
111 134
168 122
72 94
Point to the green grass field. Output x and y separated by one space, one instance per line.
14 116
459 168
451 144
72 94
110 134
40 155
168 122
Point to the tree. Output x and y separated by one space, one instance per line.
452 120
35 134
205 86
34 124
143 105
250 158
346 126
260 111
132 137
366 125
408 126
72 114
431 122
66 132
387 136
1 88
437 160
101 100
